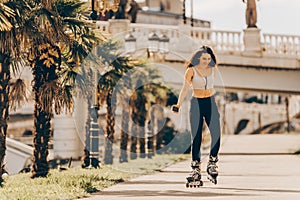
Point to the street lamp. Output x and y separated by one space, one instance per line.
156 44
94 127
164 44
130 43
183 12
192 11
153 42
93 14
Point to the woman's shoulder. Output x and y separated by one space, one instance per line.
189 70
189 73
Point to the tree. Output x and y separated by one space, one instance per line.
124 130
124 98
117 66
149 91
139 116
9 51
44 32
61 40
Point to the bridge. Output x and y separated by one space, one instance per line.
248 60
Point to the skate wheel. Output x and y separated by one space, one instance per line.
187 185
201 183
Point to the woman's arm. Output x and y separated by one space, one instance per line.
185 87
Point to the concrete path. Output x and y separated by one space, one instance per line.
251 167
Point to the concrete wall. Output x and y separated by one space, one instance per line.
18 156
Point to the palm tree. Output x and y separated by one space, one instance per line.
115 73
139 107
45 87
138 114
124 130
163 96
61 40
149 90
124 98
9 50
107 84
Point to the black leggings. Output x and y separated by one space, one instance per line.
204 108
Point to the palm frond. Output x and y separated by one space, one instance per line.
75 76
64 100
6 13
69 8
47 93
17 95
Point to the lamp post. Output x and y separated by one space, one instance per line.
183 12
192 14
164 45
93 14
130 43
156 44
94 127
153 43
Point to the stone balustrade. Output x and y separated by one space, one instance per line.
288 45
223 41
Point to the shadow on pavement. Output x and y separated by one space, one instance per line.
259 190
194 192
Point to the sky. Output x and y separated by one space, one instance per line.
273 16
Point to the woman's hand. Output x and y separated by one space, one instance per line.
175 108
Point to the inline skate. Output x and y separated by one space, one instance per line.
212 169
194 179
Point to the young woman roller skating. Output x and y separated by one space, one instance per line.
200 75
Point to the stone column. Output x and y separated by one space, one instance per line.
252 44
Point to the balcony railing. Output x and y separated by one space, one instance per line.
281 44
221 40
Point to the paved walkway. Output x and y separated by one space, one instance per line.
251 167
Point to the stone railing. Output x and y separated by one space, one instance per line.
190 38
281 44
220 40
183 36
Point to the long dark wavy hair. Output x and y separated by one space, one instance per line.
195 59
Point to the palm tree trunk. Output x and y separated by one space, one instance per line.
4 99
42 73
142 140
110 123
134 131
151 126
160 125
42 125
142 112
124 132
138 116
159 135
87 148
